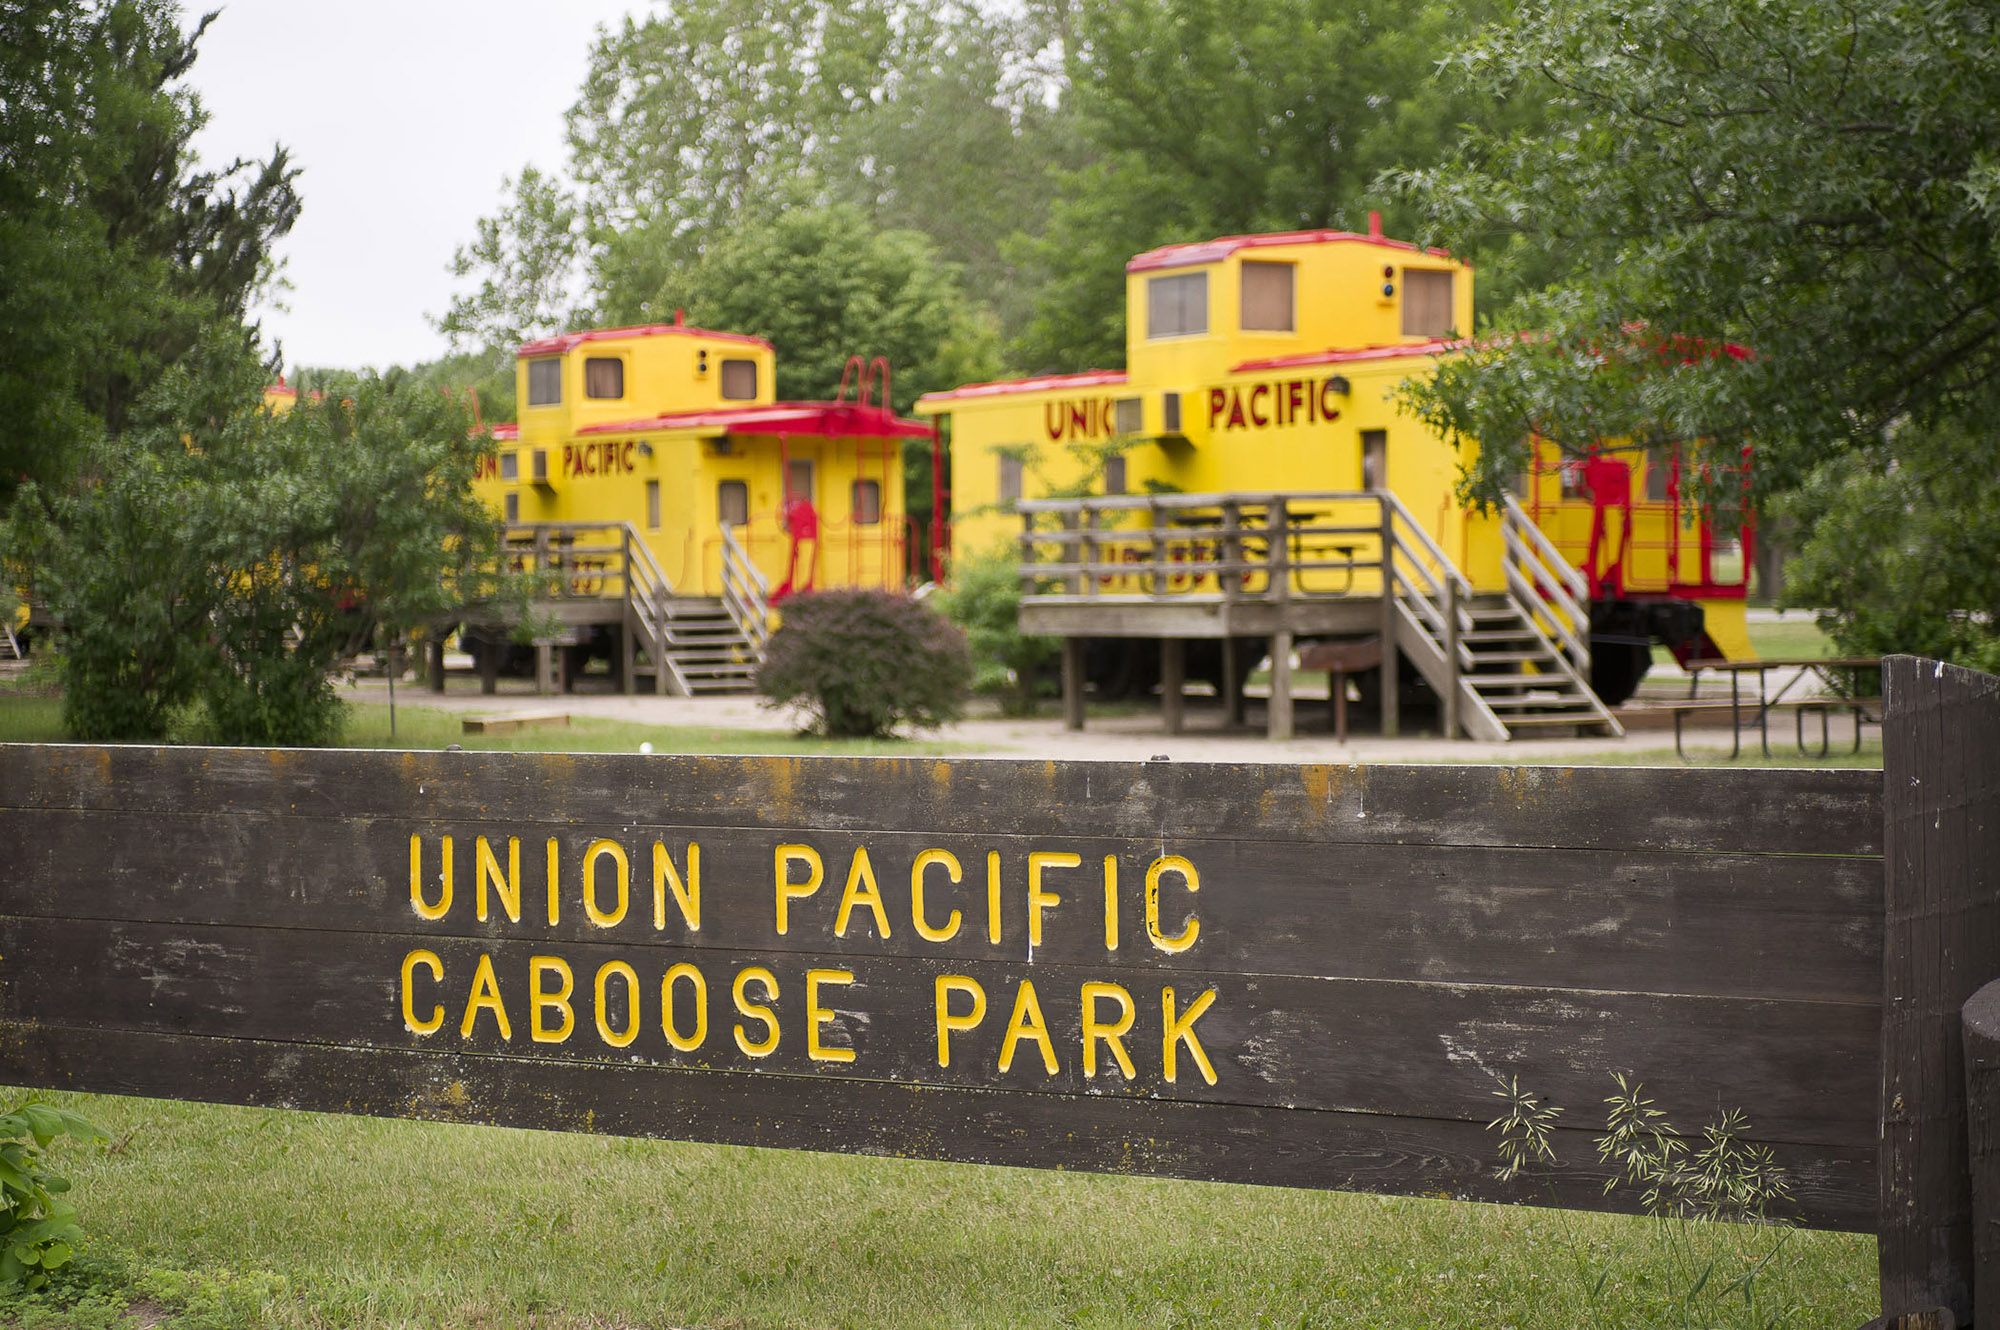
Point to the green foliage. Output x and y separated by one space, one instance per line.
38 1228
219 556
823 284
1208 119
528 258
1900 541
1682 1185
984 599
863 662
118 253
1811 180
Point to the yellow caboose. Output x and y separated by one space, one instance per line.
666 500
1250 482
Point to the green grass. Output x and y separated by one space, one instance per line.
431 727
296 1219
29 718
1796 638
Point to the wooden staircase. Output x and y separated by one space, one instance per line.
704 649
1507 664
603 572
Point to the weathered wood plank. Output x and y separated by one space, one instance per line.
1801 1072
1741 812
1647 921
1833 1187
1941 943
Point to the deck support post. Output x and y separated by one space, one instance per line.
545 668
1173 678
1278 583
1279 714
1072 683
434 660
1232 682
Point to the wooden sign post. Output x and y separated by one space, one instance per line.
1306 976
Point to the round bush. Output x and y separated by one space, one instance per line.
864 662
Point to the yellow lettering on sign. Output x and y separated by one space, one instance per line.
487 870
555 905
541 1000
1184 939
817 1016
688 897
861 890
993 897
686 1043
1039 900
1180 1030
1111 902
417 902
485 997
788 891
1027 1023
948 1024
618 1038
766 1046
925 929
429 960
600 849
1113 1034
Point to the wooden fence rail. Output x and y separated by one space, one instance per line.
1307 976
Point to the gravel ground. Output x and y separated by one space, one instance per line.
1134 737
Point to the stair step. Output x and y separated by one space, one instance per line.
1572 702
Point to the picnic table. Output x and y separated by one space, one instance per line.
1760 703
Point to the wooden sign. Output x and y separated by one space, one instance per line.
1308 976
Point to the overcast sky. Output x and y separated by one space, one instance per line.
405 117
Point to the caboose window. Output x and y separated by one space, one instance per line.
732 502
867 502
544 382
1177 306
1267 297
739 380
1426 303
1114 474
603 376
1010 478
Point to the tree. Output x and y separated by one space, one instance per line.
116 253
1903 546
529 261
1814 183
215 563
822 283
699 121
1208 119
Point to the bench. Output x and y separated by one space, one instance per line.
507 721
1867 711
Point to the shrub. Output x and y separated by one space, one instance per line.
38 1228
984 599
864 662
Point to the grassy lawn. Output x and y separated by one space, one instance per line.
29 718
247 1217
